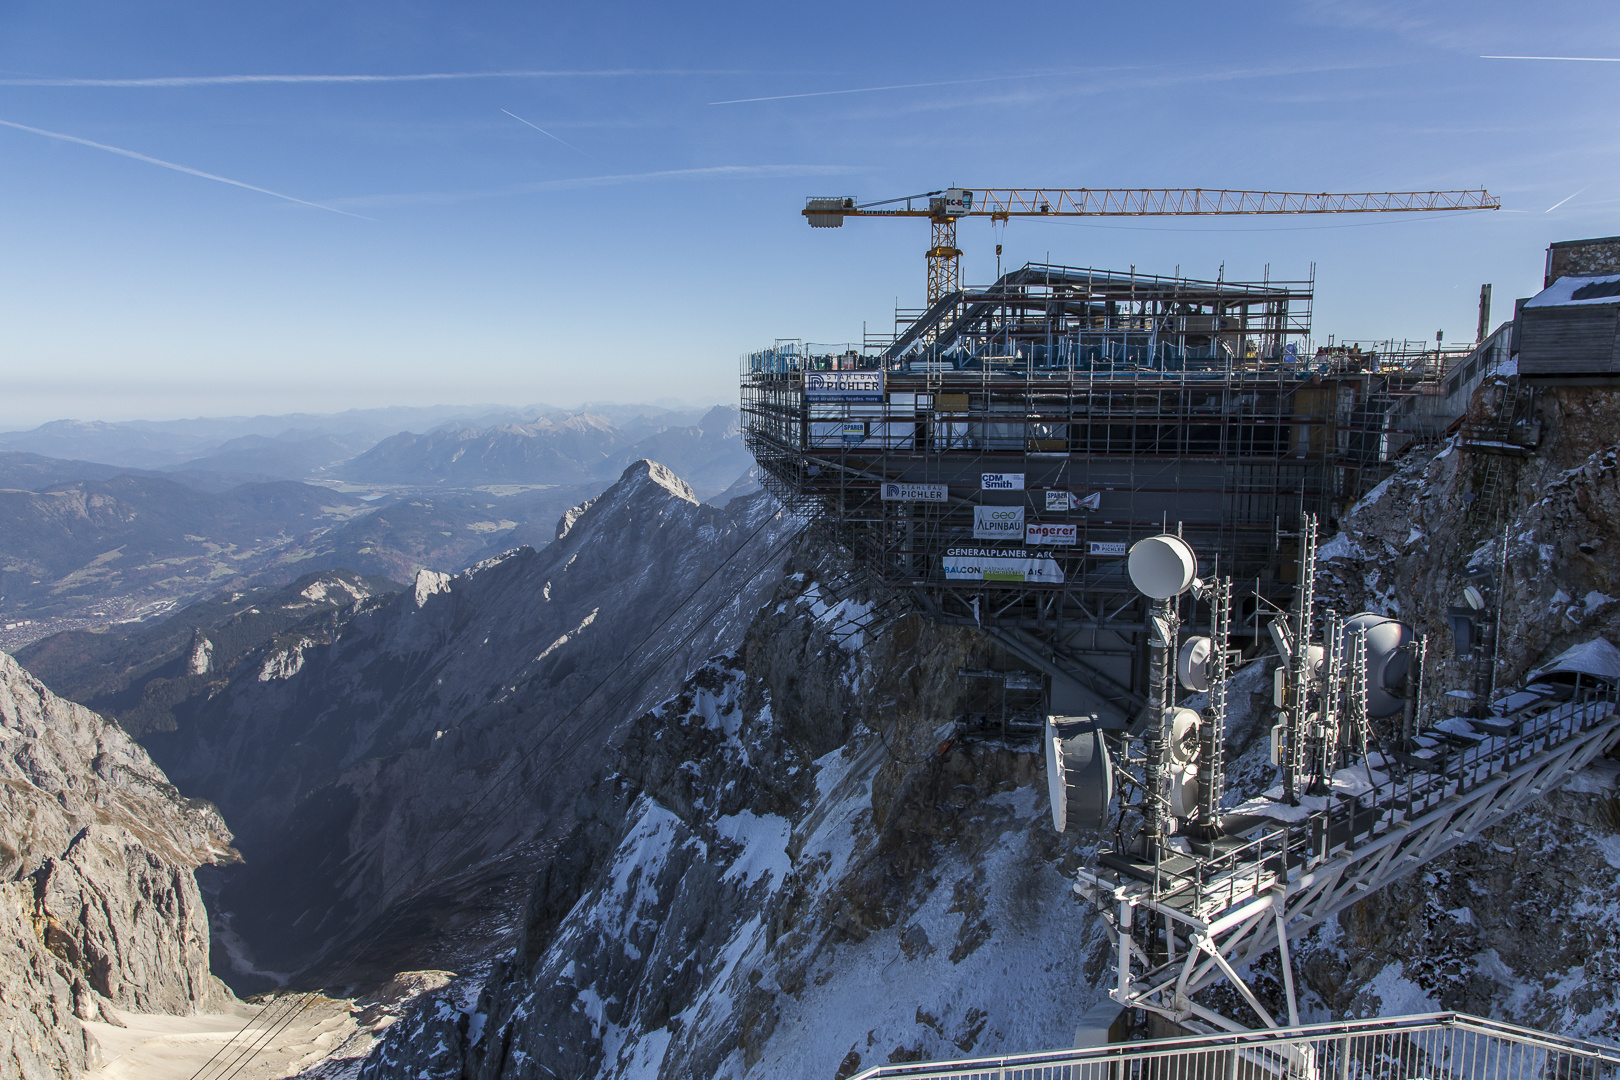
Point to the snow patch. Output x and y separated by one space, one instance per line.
1397 995
844 621
566 638
1340 547
764 841
1374 495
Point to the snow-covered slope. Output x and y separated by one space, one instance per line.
793 868
1524 923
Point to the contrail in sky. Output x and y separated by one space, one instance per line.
1561 202
718 172
897 86
171 165
432 76
1584 59
544 132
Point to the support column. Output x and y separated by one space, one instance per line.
944 259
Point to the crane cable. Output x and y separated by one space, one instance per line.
380 921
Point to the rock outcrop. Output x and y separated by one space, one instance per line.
801 865
1520 924
99 908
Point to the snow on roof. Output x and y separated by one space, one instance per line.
1596 657
1567 291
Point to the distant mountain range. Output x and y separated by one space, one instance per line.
247 442
708 454
180 510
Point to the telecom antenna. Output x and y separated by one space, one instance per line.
1196 886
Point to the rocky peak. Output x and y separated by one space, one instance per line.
376 733
99 910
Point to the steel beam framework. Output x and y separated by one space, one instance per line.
1182 924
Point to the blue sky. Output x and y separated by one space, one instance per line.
646 237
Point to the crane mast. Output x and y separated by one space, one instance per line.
944 207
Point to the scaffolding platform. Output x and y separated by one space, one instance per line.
1000 452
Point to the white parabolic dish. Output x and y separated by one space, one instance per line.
1162 566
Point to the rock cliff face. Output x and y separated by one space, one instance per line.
99 909
453 724
798 866
1524 923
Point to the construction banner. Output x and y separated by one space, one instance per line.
1065 535
1001 481
1000 564
998 523
895 491
843 385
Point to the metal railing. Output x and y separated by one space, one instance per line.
1434 1046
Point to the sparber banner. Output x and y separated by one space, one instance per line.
1065 535
991 565
843 385
894 491
1001 481
998 523
1066 500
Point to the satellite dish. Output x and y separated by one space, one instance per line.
1184 791
1079 776
1192 665
1388 661
1162 566
1181 728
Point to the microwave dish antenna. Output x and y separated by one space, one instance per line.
1162 567
1079 773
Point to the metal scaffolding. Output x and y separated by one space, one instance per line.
1109 407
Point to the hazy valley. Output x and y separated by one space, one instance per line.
102 524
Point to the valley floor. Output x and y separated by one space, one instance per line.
177 1047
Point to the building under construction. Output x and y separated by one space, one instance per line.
999 453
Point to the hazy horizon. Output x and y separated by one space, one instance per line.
474 408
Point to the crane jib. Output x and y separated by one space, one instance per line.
944 207
1125 202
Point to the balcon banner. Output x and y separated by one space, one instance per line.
1003 564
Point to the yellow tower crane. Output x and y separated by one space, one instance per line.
943 208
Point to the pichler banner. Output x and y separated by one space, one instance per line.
1000 564
899 492
843 385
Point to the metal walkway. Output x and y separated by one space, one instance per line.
1436 1046
1224 912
